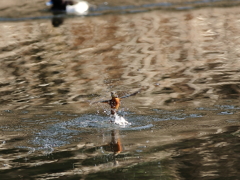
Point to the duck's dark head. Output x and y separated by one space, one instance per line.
59 4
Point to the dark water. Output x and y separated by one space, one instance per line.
184 122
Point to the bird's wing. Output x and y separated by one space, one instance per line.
133 94
106 101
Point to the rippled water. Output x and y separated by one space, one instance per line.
171 144
182 55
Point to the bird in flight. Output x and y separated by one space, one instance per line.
115 101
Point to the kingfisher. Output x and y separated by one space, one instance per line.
115 101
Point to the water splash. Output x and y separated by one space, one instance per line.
119 120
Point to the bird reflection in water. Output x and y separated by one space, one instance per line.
114 145
57 20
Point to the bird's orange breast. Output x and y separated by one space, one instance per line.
115 103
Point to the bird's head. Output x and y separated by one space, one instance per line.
114 94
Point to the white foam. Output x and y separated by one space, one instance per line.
119 120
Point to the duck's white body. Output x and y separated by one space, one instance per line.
80 8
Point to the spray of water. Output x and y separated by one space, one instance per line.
119 120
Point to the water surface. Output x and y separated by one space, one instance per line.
184 122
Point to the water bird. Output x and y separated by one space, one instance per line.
115 101
78 7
